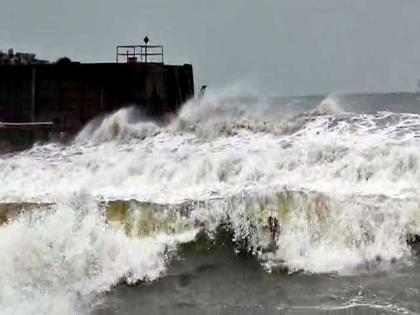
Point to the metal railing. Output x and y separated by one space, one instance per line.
139 53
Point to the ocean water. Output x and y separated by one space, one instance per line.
306 205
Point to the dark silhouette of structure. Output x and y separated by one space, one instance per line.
64 96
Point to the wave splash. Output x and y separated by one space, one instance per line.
69 253
124 124
320 191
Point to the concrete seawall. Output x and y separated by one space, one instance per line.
71 94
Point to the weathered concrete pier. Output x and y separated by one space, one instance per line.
65 95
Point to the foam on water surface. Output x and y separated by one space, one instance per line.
321 191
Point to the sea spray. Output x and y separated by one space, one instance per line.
69 253
322 191
124 124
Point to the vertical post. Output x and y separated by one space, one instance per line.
33 94
146 41
145 54
141 53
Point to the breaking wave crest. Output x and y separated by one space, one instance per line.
208 118
124 124
69 253
74 251
320 191
329 106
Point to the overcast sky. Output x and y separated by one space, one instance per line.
284 47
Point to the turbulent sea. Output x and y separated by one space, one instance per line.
305 205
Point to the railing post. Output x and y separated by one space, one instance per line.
145 54
132 53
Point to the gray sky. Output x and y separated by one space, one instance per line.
283 47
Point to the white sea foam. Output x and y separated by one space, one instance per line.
341 188
126 123
57 261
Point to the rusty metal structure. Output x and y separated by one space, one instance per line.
65 95
140 53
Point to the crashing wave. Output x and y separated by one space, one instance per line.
321 191
125 124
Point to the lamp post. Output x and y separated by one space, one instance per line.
146 41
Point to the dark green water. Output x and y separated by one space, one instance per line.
221 282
